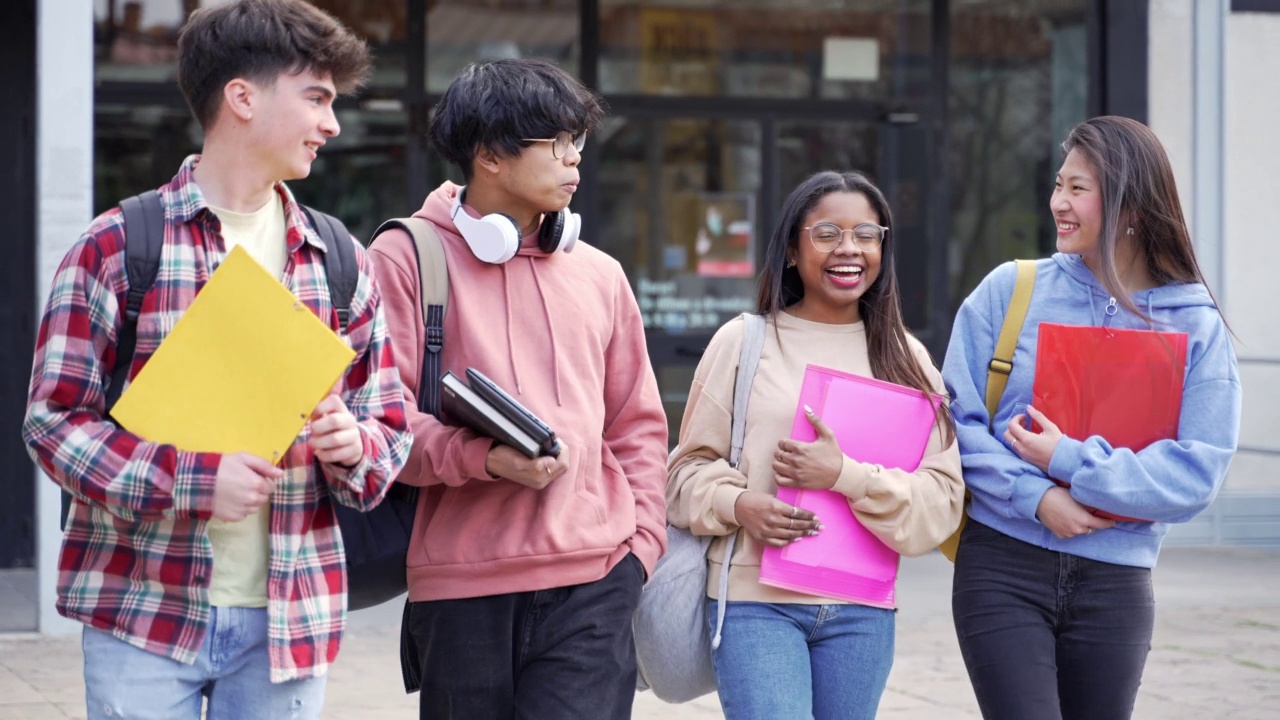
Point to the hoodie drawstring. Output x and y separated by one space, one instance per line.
551 331
511 343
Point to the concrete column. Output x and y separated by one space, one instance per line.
64 206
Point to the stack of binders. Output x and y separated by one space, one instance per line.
488 410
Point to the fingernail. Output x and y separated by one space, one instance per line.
821 526
813 533
808 409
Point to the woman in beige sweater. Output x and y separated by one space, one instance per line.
830 295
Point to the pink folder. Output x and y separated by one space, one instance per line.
875 422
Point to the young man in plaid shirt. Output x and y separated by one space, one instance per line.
203 575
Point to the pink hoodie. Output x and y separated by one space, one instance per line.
563 334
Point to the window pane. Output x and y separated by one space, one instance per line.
840 49
360 176
142 131
137 40
464 31
1018 80
678 210
678 206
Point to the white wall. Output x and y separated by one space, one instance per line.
64 161
1169 83
1250 202
1213 102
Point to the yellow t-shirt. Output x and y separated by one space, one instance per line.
241 550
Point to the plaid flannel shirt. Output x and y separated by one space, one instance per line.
136 558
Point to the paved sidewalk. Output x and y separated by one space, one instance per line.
1216 653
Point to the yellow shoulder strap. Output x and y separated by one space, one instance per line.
999 368
1002 361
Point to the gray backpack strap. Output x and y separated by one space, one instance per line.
753 329
433 283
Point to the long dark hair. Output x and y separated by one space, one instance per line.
1139 192
880 306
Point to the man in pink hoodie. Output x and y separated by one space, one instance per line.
523 574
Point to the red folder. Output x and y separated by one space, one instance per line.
1123 385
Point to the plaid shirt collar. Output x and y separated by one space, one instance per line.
186 203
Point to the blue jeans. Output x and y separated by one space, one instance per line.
802 661
1049 635
231 670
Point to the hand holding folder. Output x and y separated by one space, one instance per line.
241 371
874 422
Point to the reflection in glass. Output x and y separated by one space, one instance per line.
1018 80
137 40
838 49
360 174
678 207
460 32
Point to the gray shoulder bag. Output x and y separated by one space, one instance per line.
673 642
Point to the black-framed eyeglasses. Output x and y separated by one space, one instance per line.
561 142
826 237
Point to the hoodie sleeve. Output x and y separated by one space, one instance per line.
996 476
702 487
635 424
441 454
1169 480
911 512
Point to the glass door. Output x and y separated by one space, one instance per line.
687 206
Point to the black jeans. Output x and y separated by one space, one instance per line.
1046 635
546 655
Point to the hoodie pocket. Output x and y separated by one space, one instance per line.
486 521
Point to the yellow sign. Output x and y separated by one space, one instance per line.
678 52
241 371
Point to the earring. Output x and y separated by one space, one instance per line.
1130 231
791 263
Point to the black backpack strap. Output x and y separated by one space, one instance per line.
340 268
143 240
433 289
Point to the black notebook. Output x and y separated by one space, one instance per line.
490 411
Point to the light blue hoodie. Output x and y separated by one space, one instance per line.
1168 481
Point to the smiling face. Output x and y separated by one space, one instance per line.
291 120
834 282
1077 208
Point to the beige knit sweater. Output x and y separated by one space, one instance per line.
912 512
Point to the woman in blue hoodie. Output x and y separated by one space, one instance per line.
1053 605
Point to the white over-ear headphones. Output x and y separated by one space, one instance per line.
495 238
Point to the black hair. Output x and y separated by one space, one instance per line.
260 40
497 104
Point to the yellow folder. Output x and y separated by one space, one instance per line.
241 371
